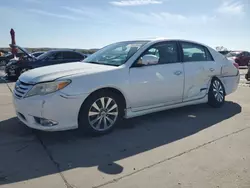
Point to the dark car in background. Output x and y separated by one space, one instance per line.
16 67
247 76
36 54
5 59
242 58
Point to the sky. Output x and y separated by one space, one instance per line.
96 23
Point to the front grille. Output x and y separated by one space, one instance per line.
21 89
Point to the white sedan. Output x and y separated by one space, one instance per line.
123 80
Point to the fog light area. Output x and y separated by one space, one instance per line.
45 122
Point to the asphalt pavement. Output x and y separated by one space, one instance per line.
194 146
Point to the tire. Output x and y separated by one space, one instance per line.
216 94
98 119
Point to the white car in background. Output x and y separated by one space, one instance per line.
123 80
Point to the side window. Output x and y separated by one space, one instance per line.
56 56
72 55
162 53
194 52
67 55
246 54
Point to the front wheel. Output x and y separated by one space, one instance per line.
216 94
100 113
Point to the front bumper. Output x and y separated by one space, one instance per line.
11 71
56 107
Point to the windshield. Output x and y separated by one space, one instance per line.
233 54
115 54
36 54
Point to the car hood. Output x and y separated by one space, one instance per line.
53 72
23 50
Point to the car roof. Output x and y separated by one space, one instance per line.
163 39
66 51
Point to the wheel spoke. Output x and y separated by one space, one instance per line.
96 106
93 113
214 85
105 122
109 101
99 123
110 120
113 113
218 97
95 120
103 103
113 107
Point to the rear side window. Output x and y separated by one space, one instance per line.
57 56
195 52
72 55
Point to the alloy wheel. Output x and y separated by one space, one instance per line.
218 91
103 114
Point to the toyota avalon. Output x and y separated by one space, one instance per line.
123 80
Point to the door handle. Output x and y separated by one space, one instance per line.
177 73
211 69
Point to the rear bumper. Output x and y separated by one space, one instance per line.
230 83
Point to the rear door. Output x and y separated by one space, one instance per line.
199 67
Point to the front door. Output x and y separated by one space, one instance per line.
157 84
199 68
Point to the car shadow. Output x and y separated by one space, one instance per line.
70 150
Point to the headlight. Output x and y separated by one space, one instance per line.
47 87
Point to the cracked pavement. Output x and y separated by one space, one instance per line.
195 146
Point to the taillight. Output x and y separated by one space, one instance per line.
236 65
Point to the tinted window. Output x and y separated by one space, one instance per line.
246 54
72 55
195 52
166 52
57 56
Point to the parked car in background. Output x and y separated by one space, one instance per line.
16 67
123 80
247 76
6 58
224 52
36 54
240 57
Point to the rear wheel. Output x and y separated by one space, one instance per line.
100 113
216 94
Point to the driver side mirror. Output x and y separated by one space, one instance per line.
148 59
